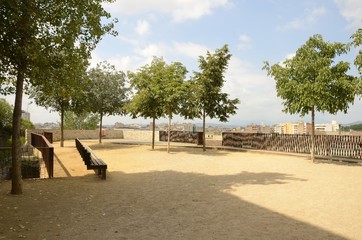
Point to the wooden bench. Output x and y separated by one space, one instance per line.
91 160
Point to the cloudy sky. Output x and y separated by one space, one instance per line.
182 30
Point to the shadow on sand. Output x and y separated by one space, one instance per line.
149 205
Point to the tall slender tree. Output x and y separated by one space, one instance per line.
146 101
206 98
311 81
32 32
107 93
172 91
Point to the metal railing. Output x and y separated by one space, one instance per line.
47 150
325 145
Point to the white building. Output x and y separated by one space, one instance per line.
327 127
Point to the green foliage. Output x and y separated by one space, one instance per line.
205 96
106 92
146 83
159 90
6 114
6 127
208 98
357 42
355 127
82 121
33 35
313 81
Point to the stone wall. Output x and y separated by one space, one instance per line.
130 134
140 135
81 134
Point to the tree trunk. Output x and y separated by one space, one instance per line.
100 128
169 134
62 126
313 137
203 130
153 132
17 182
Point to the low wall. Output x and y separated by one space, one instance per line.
81 134
140 135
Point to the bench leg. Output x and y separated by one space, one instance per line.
103 173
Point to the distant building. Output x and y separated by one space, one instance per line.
252 128
25 115
306 128
255 128
293 128
327 127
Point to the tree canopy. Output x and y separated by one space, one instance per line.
81 121
357 42
206 98
311 81
32 33
146 99
106 93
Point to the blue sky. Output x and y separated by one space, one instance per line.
182 30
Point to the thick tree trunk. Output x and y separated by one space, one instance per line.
153 132
203 130
100 128
62 126
17 182
313 137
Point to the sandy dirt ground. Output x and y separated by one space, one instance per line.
186 194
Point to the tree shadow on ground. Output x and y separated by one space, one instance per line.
149 205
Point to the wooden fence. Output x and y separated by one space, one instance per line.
47 150
325 145
182 136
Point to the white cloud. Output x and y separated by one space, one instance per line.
190 49
151 50
143 27
255 91
351 10
244 42
179 10
131 41
300 23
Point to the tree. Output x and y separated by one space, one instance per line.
147 101
311 81
206 98
172 90
32 33
107 93
357 42
81 121
6 113
63 87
